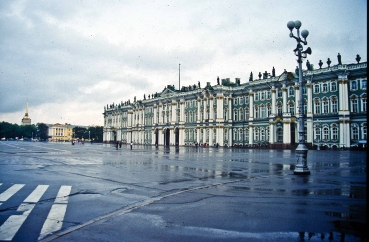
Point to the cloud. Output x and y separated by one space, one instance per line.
87 54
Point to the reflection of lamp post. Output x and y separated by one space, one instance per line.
301 150
89 135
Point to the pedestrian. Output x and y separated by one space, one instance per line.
116 145
120 144
131 145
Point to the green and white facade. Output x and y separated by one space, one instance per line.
248 114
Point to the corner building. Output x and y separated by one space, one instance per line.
258 112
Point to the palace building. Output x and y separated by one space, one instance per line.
261 111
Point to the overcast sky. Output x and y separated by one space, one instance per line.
69 59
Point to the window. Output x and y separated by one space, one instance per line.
279 92
291 91
353 85
333 86
235 101
279 109
334 133
235 115
262 112
240 135
269 108
363 84
316 88
325 133
355 132
247 135
334 105
247 99
304 90
241 115
247 114
256 96
256 112
262 95
364 136
325 87
292 108
325 106
317 106
256 134
317 134
269 95
279 134
363 104
235 135
262 135
354 105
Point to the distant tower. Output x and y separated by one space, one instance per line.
26 120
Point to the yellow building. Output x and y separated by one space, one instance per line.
60 132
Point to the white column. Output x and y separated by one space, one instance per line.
198 111
284 96
182 111
181 136
172 136
274 100
220 107
230 111
251 134
251 106
160 110
211 109
230 135
211 136
271 131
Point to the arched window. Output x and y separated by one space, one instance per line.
363 103
279 92
291 91
325 133
256 134
364 131
256 111
334 133
269 108
247 114
262 134
279 134
279 109
325 106
334 104
235 135
235 113
354 132
291 106
240 135
363 84
317 134
247 135
241 114
354 104
317 106
262 111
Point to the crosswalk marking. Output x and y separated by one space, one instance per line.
10 192
56 215
11 226
54 219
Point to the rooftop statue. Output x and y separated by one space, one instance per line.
329 62
273 72
339 59
320 64
218 81
251 77
308 65
358 58
259 75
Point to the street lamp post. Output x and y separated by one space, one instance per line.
301 150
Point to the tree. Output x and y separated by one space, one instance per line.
42 131
79 132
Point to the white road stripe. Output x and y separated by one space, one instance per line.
11 226
36 195
56 215
10 192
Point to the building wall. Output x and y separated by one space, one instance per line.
60 132
249 114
